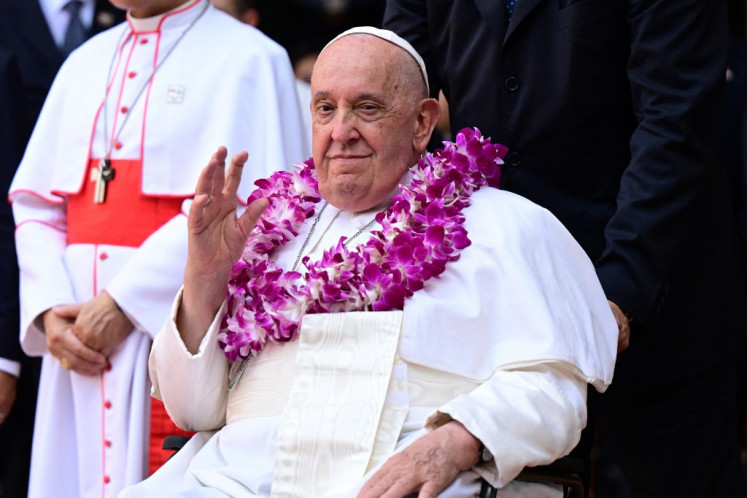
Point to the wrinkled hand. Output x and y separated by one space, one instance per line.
216 241
623 327
62 342
428 465
8 384
100 324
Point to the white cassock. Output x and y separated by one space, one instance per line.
224 83
504 341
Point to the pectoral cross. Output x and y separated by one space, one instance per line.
102 175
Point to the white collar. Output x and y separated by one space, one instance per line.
181 15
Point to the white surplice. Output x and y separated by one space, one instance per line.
225 83
504 341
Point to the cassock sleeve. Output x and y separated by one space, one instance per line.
41 238
152 277
193 388
526 417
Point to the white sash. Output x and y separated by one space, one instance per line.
328 431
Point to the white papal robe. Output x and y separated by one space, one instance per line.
504 341
224 83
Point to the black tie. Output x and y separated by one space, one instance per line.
76 33
510 6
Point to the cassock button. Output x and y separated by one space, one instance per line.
108 367
123 109
131 74
512 83
118 145
103 256
513 159
107 404
143 41
106 479
108 443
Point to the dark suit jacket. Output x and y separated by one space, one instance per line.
24 31
612 117
14 131
15 432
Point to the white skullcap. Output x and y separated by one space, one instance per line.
391 37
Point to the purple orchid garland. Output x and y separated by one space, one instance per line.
421 231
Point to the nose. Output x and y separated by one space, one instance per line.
344 128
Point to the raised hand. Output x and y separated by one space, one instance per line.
216 241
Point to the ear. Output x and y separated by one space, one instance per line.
428 112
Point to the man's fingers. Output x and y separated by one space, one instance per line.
623 339
67 310
75 345
403 486
76 362
81 367
249 217
430 490
205 183
218 171
393 479
233 175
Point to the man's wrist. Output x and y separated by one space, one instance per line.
484 455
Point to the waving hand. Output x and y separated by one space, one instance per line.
216 240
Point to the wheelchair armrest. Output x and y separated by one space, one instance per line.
174 443
566 471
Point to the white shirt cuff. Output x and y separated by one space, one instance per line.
10 366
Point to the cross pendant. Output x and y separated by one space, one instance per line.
102 175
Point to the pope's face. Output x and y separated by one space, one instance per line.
363 123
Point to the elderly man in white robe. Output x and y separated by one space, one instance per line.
385 333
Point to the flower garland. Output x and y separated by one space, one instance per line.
421 231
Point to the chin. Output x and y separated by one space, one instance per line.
348 204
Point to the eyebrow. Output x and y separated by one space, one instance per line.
323 94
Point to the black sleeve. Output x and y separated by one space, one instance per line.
676 71
409 19
13 135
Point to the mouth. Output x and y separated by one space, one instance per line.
348 161
347 157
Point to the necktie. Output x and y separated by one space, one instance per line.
510 6
76 32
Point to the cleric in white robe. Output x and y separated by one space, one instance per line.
146 99
407 328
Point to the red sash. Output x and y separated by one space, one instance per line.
127 218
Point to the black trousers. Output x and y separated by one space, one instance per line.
16 433
677 440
